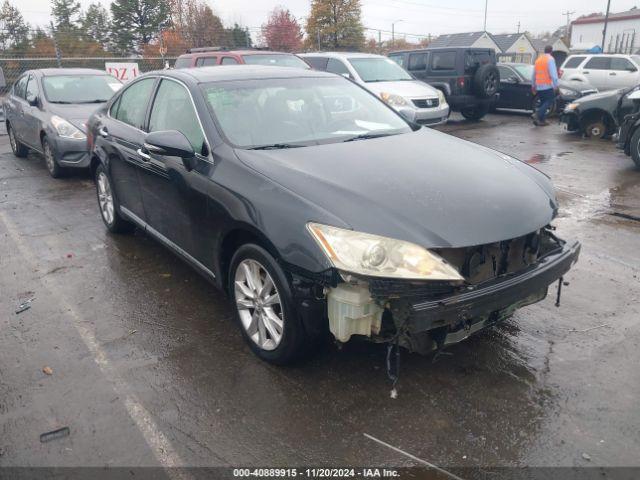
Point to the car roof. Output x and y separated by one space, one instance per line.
434 49
239 72
70 71
342 55
214 53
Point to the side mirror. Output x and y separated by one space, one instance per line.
170 143
631 68
513 79
33 100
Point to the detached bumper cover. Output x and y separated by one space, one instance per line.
504 294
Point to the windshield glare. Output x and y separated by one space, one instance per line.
379 70
300 111
80 88
275 60
525 70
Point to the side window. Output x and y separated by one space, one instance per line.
133 103
417 61
398 58
20 86
113 111
599 63
317 63
173 110
618 63
207 62
574 62
336 66
443 61
32 89
229 61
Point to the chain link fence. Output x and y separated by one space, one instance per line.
14 67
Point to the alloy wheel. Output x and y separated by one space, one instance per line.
259 305
105 198
48 157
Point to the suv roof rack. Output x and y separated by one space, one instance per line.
206 49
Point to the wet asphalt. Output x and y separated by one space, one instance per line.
148 368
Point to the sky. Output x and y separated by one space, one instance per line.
411 17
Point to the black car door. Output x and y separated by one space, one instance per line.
175 198
510 88
123 135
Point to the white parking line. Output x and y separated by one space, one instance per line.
159 444
413 457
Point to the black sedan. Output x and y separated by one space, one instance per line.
516 94
318 208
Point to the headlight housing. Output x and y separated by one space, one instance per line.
376 256
571 107
393 100
66 129
567 93
441 98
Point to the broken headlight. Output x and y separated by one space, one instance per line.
65 129
375 256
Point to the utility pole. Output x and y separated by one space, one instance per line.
55 45
379 41
518 27
393 33
566 33
606 20
486 6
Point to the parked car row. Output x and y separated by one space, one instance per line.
311 199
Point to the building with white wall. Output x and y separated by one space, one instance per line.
515 47
623 32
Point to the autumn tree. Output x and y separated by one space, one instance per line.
197 24
136 23
14 31
282 31
335 25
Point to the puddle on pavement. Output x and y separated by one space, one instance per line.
544 158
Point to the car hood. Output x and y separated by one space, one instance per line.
576 86
609 95
77 114
424 187
407 89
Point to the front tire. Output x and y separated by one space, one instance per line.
634 146
18 149
264 306
54 169
108 204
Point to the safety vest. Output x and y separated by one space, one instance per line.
542 71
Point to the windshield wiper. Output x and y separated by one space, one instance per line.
276 146
64 102
367 136
95 101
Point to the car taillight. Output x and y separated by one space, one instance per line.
461 82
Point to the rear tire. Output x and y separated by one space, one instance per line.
264 306
634 146
55 170
108 204
475 113
18 149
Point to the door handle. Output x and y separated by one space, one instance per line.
144 156
613 73
103 132
586 73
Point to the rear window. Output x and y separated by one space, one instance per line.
182 62
443 61
573 62
317 63
599 63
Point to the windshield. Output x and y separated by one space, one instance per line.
80 88
379 70
298 112
275 60
525 70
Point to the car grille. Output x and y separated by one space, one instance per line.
426 102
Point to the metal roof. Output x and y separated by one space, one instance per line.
457 39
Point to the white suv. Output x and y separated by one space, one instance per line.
604 72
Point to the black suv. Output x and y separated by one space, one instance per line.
468 77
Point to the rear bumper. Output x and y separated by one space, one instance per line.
500 296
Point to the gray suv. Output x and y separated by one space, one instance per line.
47 110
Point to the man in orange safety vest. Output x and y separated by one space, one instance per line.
544 85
